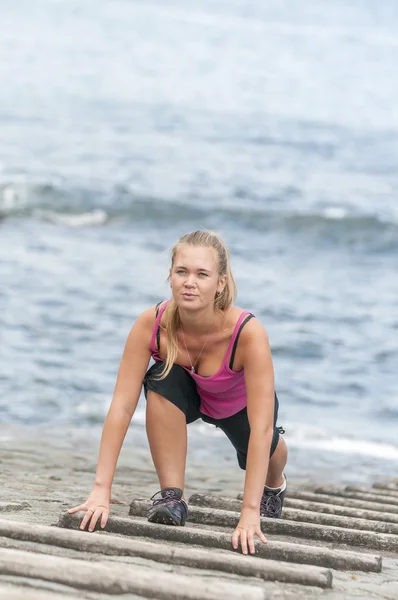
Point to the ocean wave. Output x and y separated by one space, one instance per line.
304 438
76 207
79 207
343 445
94 218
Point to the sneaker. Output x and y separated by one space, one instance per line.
272 501
168 507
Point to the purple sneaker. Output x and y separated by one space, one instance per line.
168 507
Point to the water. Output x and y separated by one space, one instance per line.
125 124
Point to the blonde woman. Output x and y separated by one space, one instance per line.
212 362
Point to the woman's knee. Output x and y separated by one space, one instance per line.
242 459
280 452
278 448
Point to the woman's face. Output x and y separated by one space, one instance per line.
194 277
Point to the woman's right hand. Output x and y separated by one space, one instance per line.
96 506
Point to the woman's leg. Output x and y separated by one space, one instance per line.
167 436
277 463
237 429
172 402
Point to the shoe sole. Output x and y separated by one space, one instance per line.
164 516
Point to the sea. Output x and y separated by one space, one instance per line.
127 123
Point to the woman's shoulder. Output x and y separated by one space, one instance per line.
252 336
235 313
252 327
154 313
141 331
147 317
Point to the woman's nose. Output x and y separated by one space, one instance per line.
190 281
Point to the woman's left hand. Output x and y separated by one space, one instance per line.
247 528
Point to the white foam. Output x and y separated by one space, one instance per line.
208 430
139 417
348 446
335 212
316 440
87 219
95 409
9 198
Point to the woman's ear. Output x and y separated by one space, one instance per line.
221 284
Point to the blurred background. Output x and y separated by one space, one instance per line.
126 123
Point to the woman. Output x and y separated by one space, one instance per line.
212 361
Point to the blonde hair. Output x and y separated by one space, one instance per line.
222 301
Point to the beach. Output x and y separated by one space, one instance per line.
42 475
35 460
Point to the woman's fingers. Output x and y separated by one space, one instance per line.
243 540
246 537
104 518
239 533
261 536
92 515
86 518
94 518
77 508
250 542
235 539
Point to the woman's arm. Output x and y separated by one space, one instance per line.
259 380
127 391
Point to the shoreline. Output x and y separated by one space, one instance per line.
36 461
209 454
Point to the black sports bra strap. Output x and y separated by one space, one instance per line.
231 360
158 329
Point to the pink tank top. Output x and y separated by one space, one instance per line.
222 394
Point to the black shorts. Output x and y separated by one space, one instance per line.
180 388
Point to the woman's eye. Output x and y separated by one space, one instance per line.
182 272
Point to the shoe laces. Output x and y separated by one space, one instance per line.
170 497
270 503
